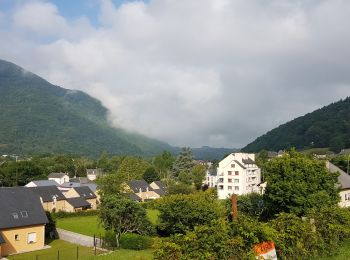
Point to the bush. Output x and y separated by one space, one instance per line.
297 238
135 241
110 240
62 214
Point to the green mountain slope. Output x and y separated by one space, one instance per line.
38 117
325 127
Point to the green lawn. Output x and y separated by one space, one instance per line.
67 251
89 225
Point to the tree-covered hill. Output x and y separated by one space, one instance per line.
38 117
325 127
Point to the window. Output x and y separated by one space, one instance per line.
232 166
236 180
347 196
15 215
221 180
230 180
229 187
229 173
17 237
221 187
31 238
236 187
236 173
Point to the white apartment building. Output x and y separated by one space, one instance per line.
238 174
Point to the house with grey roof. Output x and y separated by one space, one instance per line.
84 193
142 189
59 177
22 221
343 184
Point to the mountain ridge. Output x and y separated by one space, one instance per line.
39 117
328 126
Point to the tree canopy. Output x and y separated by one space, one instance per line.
297 184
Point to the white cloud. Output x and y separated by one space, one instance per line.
191 72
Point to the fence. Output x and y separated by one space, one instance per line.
72 253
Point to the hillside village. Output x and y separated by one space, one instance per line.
23 217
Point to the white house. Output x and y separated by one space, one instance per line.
92 174
238 174
59 177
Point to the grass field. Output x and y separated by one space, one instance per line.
89 225
67 251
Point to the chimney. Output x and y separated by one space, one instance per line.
234 211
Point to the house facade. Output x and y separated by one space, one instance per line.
51 198
92 174
238 174
22 221
85 193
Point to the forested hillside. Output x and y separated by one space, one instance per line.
38 117
325 127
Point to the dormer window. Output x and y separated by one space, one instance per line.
15 215
24 214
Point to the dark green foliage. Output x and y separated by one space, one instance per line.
151 175
184 162
296 184
122 215
325 127
38 117
250 205
179 213
179 188
50 227
332 223
296 238
163 164
135 242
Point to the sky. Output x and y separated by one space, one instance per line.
188 72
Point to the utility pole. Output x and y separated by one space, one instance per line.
347 170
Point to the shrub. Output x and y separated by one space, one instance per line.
296 237
135 241
62 214
168 251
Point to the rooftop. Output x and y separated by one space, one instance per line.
20 207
